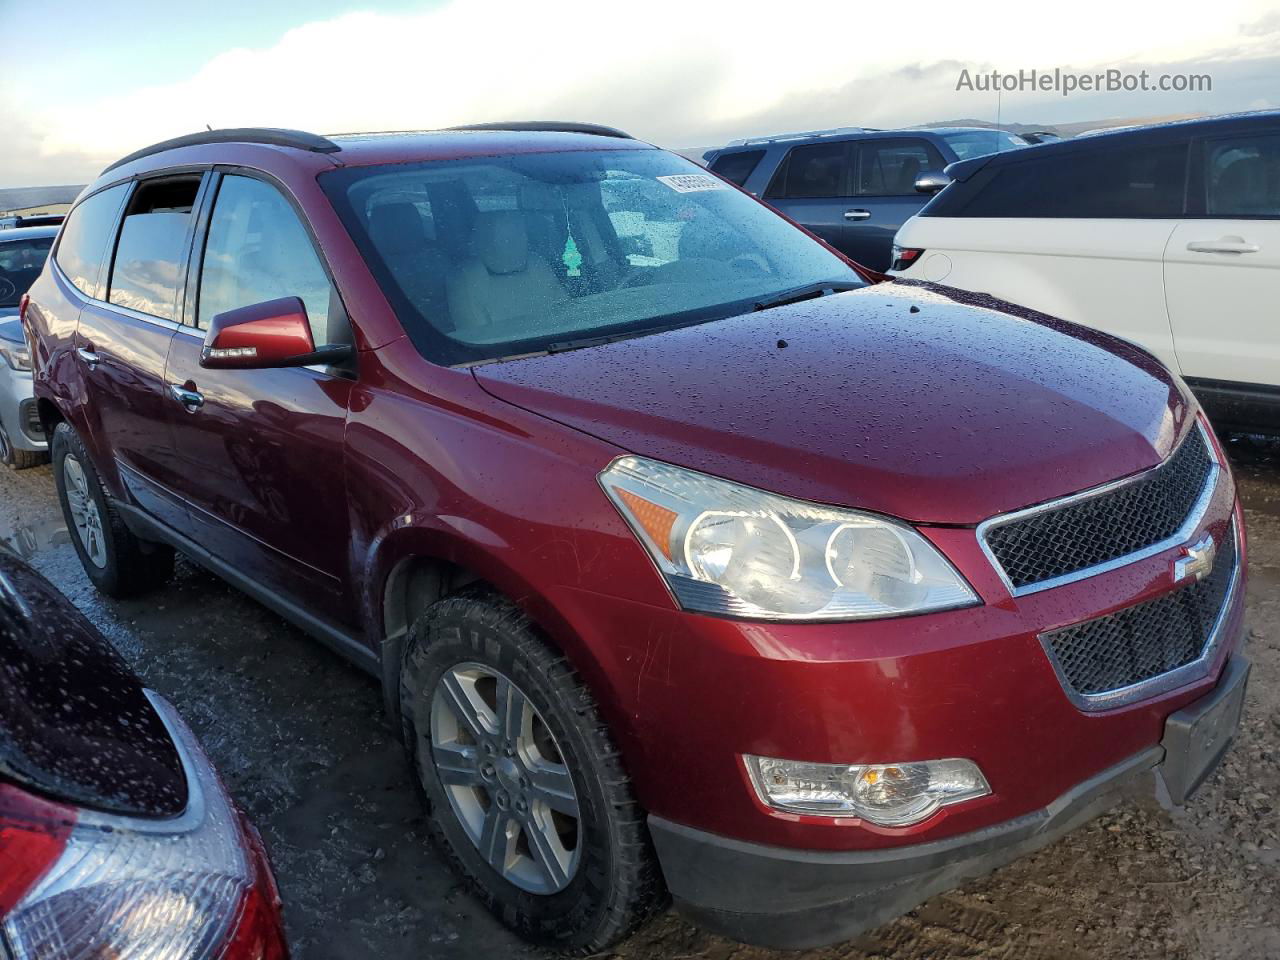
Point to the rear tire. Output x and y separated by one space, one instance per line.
16 459
118 563
608 883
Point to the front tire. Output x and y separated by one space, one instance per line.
527 797
16 459
118 563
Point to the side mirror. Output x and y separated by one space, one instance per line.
266 335
931 182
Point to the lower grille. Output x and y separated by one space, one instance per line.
30 418
1145 642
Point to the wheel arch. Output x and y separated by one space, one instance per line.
414 566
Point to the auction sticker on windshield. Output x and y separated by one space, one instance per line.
693 182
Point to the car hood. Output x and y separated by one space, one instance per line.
10 325
909 399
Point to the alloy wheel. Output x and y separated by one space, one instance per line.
506 778
85 516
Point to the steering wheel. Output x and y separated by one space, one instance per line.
8 289
637 277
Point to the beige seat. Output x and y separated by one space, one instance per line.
503 278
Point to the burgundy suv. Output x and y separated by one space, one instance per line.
692 560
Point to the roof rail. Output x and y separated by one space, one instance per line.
276 137
833 132
553 126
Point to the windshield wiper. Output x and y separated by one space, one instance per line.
810 291
564 346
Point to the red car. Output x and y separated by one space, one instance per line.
692 560
117 838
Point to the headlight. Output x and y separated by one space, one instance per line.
734 550
889 794
16 355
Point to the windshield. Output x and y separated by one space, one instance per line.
20 263
504 256
978 143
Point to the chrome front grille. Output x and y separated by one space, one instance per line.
1141 650
1087 533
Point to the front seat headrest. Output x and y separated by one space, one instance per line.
501 241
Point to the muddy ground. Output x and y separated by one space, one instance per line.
300 739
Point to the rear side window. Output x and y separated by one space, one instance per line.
1147 182
144 275
1243 177
816 170
85 237
736 167
888 168
258 250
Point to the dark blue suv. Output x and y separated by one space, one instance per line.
854 187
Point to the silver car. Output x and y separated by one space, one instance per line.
22 254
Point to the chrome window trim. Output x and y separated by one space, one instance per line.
1181 535
1197 669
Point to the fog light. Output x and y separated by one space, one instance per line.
889 794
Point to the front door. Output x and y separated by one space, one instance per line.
1222 269
812 187
885 196
262 450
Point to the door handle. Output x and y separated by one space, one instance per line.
857 214
91 359
193 400
1225 245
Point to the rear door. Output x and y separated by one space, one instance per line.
122 342
1222 265
261 451
812 186
885 197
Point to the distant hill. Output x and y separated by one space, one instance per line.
32 199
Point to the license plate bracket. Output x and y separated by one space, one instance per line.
1197 736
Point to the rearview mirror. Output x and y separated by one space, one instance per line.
275 333
931 182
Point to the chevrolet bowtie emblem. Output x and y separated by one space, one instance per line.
1198 560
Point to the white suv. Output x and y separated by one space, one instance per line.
1168 236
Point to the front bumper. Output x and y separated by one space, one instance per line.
18 411
789 898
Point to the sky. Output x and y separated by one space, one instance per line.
105 78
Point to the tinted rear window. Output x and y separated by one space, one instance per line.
144 276
1126 183
85 237
736 167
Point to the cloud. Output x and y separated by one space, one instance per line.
666 70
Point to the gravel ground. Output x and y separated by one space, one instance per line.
300 739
